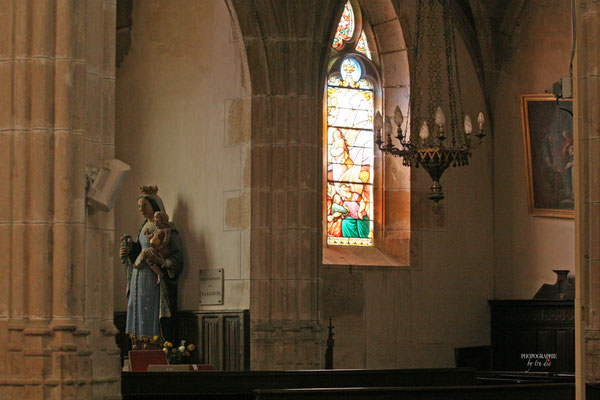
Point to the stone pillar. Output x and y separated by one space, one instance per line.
287 44
100 240
52 55
587 128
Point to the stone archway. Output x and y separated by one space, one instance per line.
287 47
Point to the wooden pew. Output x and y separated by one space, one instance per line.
519 377
242 384
551 391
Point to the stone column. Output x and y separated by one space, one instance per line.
51 53
287 44
587 128
100 240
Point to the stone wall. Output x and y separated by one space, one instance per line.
57 117
286 44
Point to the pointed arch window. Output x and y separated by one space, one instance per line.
352 91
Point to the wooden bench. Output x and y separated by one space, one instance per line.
551 391
242 384
519 377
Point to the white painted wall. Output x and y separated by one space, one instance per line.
175 89
528 248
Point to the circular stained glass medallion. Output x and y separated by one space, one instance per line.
351 70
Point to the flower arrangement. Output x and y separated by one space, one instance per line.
176 354
146 343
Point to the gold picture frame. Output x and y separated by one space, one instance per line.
549 154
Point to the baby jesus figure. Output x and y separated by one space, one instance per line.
159 244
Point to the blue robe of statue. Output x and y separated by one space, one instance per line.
148 301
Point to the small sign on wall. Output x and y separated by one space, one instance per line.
211 286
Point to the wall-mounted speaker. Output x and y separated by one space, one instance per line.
107 185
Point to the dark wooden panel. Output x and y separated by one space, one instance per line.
532 327
592 391
526 343
225 339
478 357
500 347
545 342
187 329
241 384
123 342
211 341
232 340
563 346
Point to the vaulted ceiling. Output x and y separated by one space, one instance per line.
491 23
487 27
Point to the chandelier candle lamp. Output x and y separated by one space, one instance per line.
450 144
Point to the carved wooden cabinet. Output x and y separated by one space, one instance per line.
524 331
221 337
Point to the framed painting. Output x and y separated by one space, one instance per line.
549 154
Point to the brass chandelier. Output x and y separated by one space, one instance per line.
435 153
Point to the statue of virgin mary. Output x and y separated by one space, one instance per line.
149 301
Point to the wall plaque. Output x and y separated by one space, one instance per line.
211 286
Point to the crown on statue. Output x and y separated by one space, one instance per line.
149 190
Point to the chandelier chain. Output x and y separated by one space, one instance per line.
461 138
417 75
434 69
448 31
418 146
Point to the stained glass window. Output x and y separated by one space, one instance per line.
362 46
345 28
350 157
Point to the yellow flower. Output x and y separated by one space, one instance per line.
191 347
168 344
154 339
